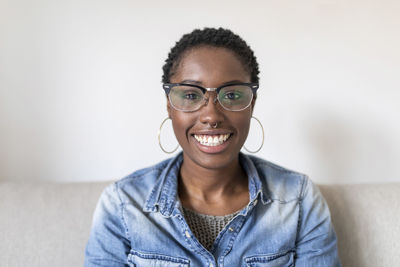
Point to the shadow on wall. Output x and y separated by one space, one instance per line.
349 149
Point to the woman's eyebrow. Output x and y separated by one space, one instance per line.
233 81
191 81
199 83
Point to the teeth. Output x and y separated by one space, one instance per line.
211 140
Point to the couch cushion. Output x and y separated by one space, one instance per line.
367 222
45 224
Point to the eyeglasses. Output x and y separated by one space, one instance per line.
191 97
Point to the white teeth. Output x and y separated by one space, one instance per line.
211 140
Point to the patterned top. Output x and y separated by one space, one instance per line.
206 227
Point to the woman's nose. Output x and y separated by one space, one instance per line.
214 101
211 112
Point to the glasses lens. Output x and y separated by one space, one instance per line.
186 98
235 97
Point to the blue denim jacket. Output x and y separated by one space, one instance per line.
138 222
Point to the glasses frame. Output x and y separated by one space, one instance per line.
168 86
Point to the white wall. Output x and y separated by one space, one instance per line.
81 98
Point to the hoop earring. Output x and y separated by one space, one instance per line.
262 142
159 138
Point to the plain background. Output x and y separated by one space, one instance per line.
81 97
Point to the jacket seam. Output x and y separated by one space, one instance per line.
284 201
298 221
122 207
300 200
303 187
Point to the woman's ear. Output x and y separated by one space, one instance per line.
168 108
253 103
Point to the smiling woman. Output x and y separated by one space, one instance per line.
212 205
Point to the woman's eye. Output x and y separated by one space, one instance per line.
191 96
232 96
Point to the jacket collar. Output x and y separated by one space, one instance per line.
164 195
256 186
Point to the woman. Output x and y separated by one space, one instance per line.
212 205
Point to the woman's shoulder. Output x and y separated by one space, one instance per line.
268 169
282 183
140 182
149 174
142 173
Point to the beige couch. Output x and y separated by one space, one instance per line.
48 224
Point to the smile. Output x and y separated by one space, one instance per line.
211 140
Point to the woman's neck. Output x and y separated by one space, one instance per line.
213 191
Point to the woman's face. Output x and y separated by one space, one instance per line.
211 67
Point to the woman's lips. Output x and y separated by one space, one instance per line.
212 143
211 140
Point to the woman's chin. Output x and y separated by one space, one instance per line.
212 157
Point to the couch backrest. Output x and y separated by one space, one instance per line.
45 224
367 222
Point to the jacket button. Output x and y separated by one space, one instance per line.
187 234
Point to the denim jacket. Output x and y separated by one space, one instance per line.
139 222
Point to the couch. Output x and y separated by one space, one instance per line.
47 224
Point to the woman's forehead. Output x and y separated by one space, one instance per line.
207 64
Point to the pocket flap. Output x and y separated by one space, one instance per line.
282 259
136 258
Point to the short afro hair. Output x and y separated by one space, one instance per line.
220 37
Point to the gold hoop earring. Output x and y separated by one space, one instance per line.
262 142
159 138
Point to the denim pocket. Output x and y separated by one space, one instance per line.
139 259
282 259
